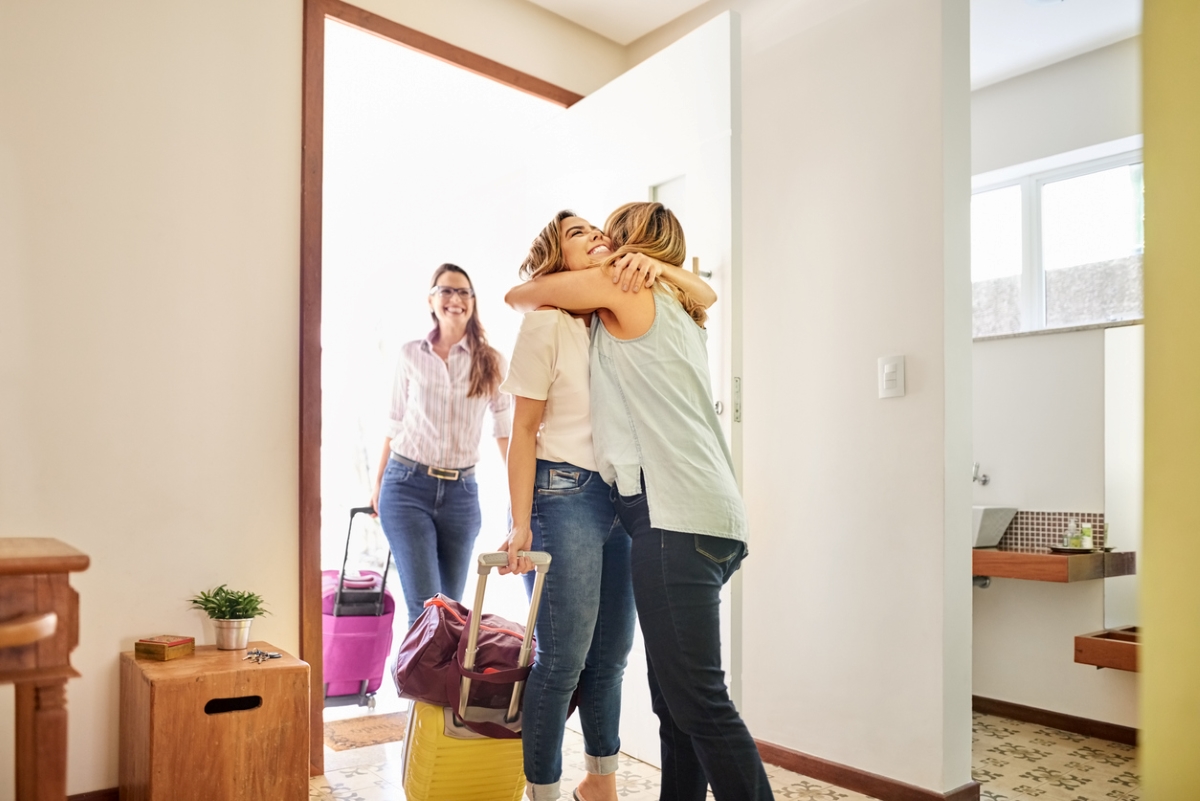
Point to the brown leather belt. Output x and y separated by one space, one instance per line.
443 473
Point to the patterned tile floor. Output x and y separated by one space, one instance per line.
1013 761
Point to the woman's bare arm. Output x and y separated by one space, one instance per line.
625 315
691 283
522 466
576 291
636 270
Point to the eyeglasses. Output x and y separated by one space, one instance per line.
447 292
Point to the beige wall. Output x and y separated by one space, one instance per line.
516 33
149 231
149 415
149 205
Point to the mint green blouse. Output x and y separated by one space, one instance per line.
653 416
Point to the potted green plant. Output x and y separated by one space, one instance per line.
232 612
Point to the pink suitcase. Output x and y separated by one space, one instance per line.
356 626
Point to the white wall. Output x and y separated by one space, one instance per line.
1025 649
1039 421
1082 101
1039 436
855 627
1124 463
149 230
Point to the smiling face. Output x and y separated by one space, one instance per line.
447 301
583 245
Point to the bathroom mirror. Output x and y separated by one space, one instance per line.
1124 383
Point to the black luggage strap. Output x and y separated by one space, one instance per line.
337 602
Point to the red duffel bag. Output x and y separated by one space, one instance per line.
429 664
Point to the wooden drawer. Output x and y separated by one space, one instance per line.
30 594
1114 648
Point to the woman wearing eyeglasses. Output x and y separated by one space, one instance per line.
425 490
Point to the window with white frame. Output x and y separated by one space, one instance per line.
1059 247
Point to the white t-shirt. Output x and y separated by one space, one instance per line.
550 363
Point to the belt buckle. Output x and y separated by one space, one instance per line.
444 473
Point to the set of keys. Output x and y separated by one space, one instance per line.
258 656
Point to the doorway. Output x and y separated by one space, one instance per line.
349 51
411 146
596 167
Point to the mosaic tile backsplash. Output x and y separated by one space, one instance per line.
1032 531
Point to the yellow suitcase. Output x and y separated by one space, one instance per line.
442 767
445 761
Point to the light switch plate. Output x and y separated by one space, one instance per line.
891 376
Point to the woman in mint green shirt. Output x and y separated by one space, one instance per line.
659 445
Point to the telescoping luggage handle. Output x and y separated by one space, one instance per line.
541 562
338 609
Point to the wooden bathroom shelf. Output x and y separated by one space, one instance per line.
1114 648
1041 566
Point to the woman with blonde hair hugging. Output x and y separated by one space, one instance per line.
659 445
560 504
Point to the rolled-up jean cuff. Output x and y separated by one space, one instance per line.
601 766
542 792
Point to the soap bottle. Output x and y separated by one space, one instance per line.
1075 537
1085 538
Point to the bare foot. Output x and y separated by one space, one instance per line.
598 788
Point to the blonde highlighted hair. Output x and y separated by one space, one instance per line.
545 253
653 229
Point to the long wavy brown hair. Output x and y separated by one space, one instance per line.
485 361
653 229
545 252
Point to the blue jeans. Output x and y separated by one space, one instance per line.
677 580
431 525
585 625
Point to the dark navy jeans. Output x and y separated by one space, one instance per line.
677 580
431 525
584 627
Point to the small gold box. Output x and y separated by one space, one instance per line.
164 647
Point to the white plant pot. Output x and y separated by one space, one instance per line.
232 635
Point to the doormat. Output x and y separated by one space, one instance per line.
342 735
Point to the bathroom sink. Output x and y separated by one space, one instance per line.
988 524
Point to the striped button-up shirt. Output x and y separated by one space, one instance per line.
432 420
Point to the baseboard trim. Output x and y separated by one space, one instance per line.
860 781
111 794
1057 720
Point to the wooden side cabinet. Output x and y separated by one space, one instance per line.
39 628
214 726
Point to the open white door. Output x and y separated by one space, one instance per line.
665 129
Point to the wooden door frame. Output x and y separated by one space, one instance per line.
312 158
